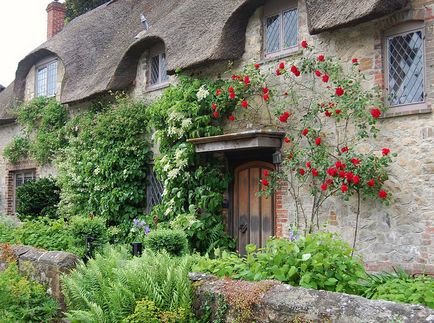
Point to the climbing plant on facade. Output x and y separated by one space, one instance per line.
329 119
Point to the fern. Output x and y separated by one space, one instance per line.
108 287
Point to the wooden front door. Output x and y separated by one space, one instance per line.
252 215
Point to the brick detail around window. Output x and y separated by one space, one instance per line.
10 185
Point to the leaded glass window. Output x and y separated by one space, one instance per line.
154 193
158 69
406 68
281 32
46 79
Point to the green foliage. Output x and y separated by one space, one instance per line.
23 300
173 241
401 287
75 8
17 149
103 169
42 120
108 287
147 312
193 187
44 234
81 227
38 198
319 261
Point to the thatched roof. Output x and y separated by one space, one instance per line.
327 15
100 50
6 102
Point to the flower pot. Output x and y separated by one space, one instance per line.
137 248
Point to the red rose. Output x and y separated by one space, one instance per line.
349 176
325 78
338 111
265 97
371 182
246 80
385 151
257 66
356 179
339 91
266 173
231 118
354 60
342 174
297 73
213 106
321 58
231 89
265 90
308 165
332 171
328 113
218 92
318 141
355 161
344 188
234 77
382 194
318 73
283 118
304 44
324 187
305 132
282 65
294 69
301 171
264 182
232 95
244 104
344 149
339 164
314 172
376 113
278 72
287 140
216 114
329 181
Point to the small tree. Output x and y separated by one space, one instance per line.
75 8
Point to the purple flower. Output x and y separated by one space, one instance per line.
136 222
147 230
291 235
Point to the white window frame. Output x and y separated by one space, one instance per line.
46 65
22 173
407 108
278 8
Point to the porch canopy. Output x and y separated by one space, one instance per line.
246 140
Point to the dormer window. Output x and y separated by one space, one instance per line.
280 28
46 79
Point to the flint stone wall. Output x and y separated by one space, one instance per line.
45 267
283 303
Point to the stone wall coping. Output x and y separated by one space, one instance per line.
60 259
285 303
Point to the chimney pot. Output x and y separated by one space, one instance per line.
55 18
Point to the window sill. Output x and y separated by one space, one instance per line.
412 109
278 57
157 87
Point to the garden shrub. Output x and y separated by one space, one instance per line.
24 300
401 287
107 288
319 261
45 234
81 227
173 241
38 198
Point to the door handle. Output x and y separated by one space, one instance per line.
243 228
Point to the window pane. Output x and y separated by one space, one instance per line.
154 191
29 177
52 79
406 75
272 34
155 61
290 28
19 180
163 68
41 82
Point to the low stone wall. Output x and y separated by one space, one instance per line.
45 267
270 301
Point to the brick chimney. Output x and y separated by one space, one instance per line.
56 18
